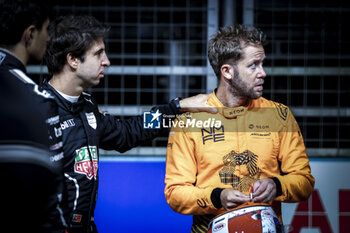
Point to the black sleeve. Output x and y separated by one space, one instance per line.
215 197
278 186
27 120
21 119
122 135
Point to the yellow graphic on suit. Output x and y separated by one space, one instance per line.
249 175
257 141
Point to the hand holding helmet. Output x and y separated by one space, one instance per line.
231 198
264 190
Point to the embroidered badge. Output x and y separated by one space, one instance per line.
77 218
91 119
83 163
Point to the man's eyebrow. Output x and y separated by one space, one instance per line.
255 59
100 50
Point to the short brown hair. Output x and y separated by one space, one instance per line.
228 44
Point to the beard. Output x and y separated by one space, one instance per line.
240 88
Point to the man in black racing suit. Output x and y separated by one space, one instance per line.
85 130
29 125
29 114
76 59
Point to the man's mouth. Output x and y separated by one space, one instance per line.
260 83
259 86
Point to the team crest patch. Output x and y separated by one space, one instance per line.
83 163
91 119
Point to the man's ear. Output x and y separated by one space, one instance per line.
28 35
72 61
227 71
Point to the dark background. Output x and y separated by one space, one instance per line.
307 64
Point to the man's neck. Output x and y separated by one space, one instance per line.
65 83
19 52
229 99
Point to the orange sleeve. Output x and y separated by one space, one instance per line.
296 180
180 191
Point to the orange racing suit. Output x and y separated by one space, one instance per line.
260 140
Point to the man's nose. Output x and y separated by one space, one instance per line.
105 61
262 73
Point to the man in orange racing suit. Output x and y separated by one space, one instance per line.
213 159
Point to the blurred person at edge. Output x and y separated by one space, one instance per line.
76 59
30 138
258 144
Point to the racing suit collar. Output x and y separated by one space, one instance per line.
10 60
65 104
226 111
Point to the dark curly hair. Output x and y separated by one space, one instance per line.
71 34
17 15
228 43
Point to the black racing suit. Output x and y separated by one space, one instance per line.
29 117
86 129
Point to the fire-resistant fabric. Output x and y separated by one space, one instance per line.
260 140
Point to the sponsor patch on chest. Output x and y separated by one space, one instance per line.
91 119
86 161
67 124
77 218
213 134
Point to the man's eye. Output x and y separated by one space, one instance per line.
252 66
99 53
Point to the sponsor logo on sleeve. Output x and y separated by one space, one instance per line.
201 203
